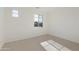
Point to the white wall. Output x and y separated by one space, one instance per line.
22 27
61 22
64 23
1 28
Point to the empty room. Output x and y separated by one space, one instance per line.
39 29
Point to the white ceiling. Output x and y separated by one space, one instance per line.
51 9
44 9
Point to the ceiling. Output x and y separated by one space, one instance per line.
44 9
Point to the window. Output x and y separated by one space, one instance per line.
15 13
38 20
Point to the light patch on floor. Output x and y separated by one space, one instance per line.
51 45
47 46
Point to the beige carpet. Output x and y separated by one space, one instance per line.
33 44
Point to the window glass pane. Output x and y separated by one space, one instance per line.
36 21
15 13
40 19
35 18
